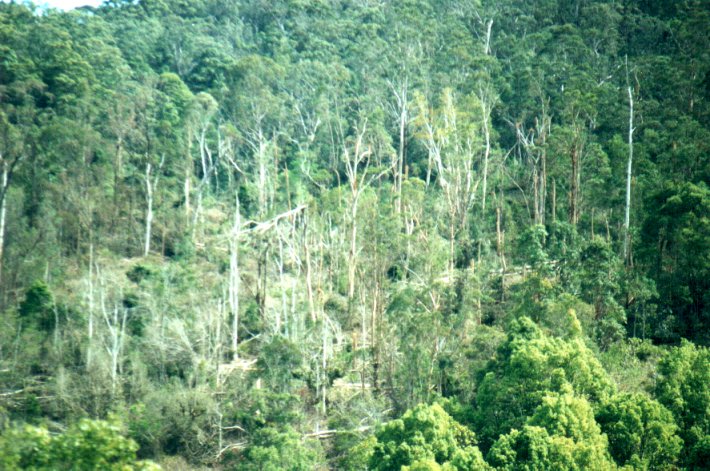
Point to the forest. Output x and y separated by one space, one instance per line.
355 235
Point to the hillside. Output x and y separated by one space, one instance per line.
355 234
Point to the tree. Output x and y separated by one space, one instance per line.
425 434
641 431
453 140
273 450
357 159
86 445
38 307
683 386
526 368
561 434
629 168
676 251
599 285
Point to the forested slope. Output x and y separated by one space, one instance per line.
355 234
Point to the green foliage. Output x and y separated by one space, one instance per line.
425 434
175 419
274 450
139 273
632 364
480 269
280 364
531 248
683 386
38 307
561 434
676 250
528 366
599 283
86 445
641 431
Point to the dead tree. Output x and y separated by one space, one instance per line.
151 185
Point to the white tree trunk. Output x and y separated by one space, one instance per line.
149 209
352 262
489 30
486 107
234 278
3 211
309 275
627 213
89 347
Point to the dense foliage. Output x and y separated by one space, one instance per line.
355 234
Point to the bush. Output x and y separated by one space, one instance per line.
86 445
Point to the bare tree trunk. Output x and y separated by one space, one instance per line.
262 174
543 184
574 186
90 347
452 247
117 173
489 30
281 314
3 212
352 253
627 213
358 181
149 210
324 366
554 200
234 275
487 153
150 186
402 102
374 319
116 327
536 194
186 192
499 233
309 275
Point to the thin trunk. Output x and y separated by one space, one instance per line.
543 183
186 193
574 186
554 200
489 30
261 159
117 171
89 347
402 144
264 278
627 213
234 279
536 194
280 314
3 212
324 366
149 211
499 238
309 276
373 335
486 155
452 249
501 235
352 268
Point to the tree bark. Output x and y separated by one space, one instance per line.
234 276
89 347
3 211
149 210
627 212
574 185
